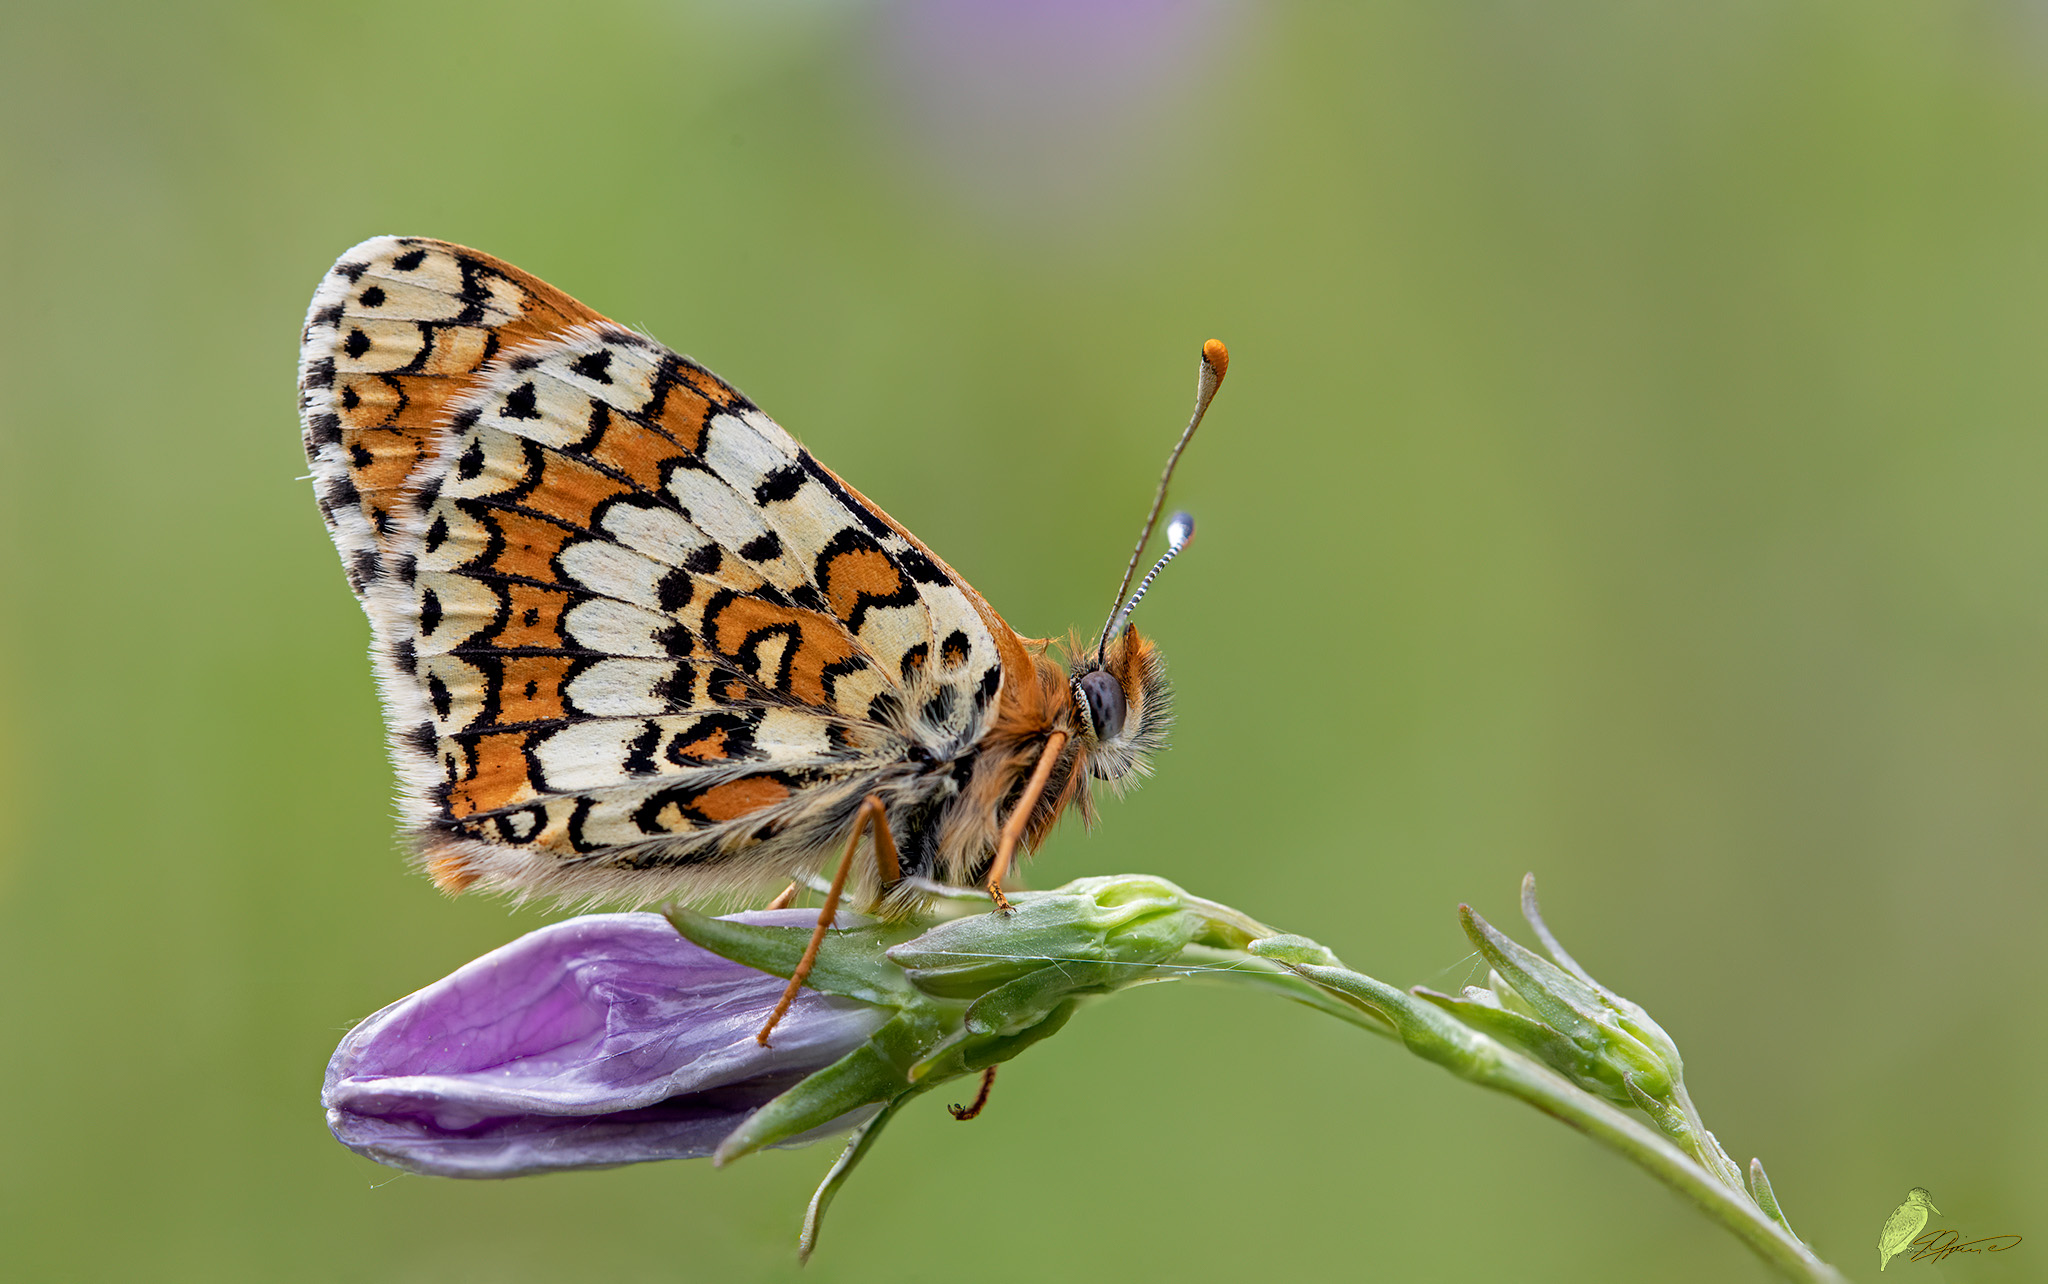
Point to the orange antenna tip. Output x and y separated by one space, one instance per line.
1215 360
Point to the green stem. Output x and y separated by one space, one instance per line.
1278 979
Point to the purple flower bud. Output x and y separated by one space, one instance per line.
606 1039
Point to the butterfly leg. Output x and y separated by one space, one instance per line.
1013 828
964 1113
871 812
888 865
785 900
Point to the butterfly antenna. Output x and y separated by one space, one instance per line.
1215 360
1180 528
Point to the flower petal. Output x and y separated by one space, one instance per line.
601 1040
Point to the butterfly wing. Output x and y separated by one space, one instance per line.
398 328
632 637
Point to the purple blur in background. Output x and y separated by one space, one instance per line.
1039 112
606 1039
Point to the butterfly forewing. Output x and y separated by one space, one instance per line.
632 637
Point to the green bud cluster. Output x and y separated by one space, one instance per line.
1556 1012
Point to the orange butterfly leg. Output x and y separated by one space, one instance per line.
964 1113
1013 829
785 900
891 868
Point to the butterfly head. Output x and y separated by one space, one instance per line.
1122 705
1120 691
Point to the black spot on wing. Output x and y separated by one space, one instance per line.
780 484
594 366
679 689
421 737
640 750
521 403
675 588
919 567
363 568
676 639
408 261
762 548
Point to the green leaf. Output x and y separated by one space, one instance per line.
849 962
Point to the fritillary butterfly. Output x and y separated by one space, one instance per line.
634 640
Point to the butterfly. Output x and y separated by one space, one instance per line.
634 641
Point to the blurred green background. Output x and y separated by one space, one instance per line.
1631 469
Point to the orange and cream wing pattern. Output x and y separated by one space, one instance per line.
398 328
632 637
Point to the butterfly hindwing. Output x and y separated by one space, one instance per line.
632 637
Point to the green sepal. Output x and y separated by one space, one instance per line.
1537 1039
1024 1002
868 1075
849 962
968 1056
1294 951
1565 1003
857 1147
1130 919
1578 1011
1766 1198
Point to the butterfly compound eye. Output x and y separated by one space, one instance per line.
1105 704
